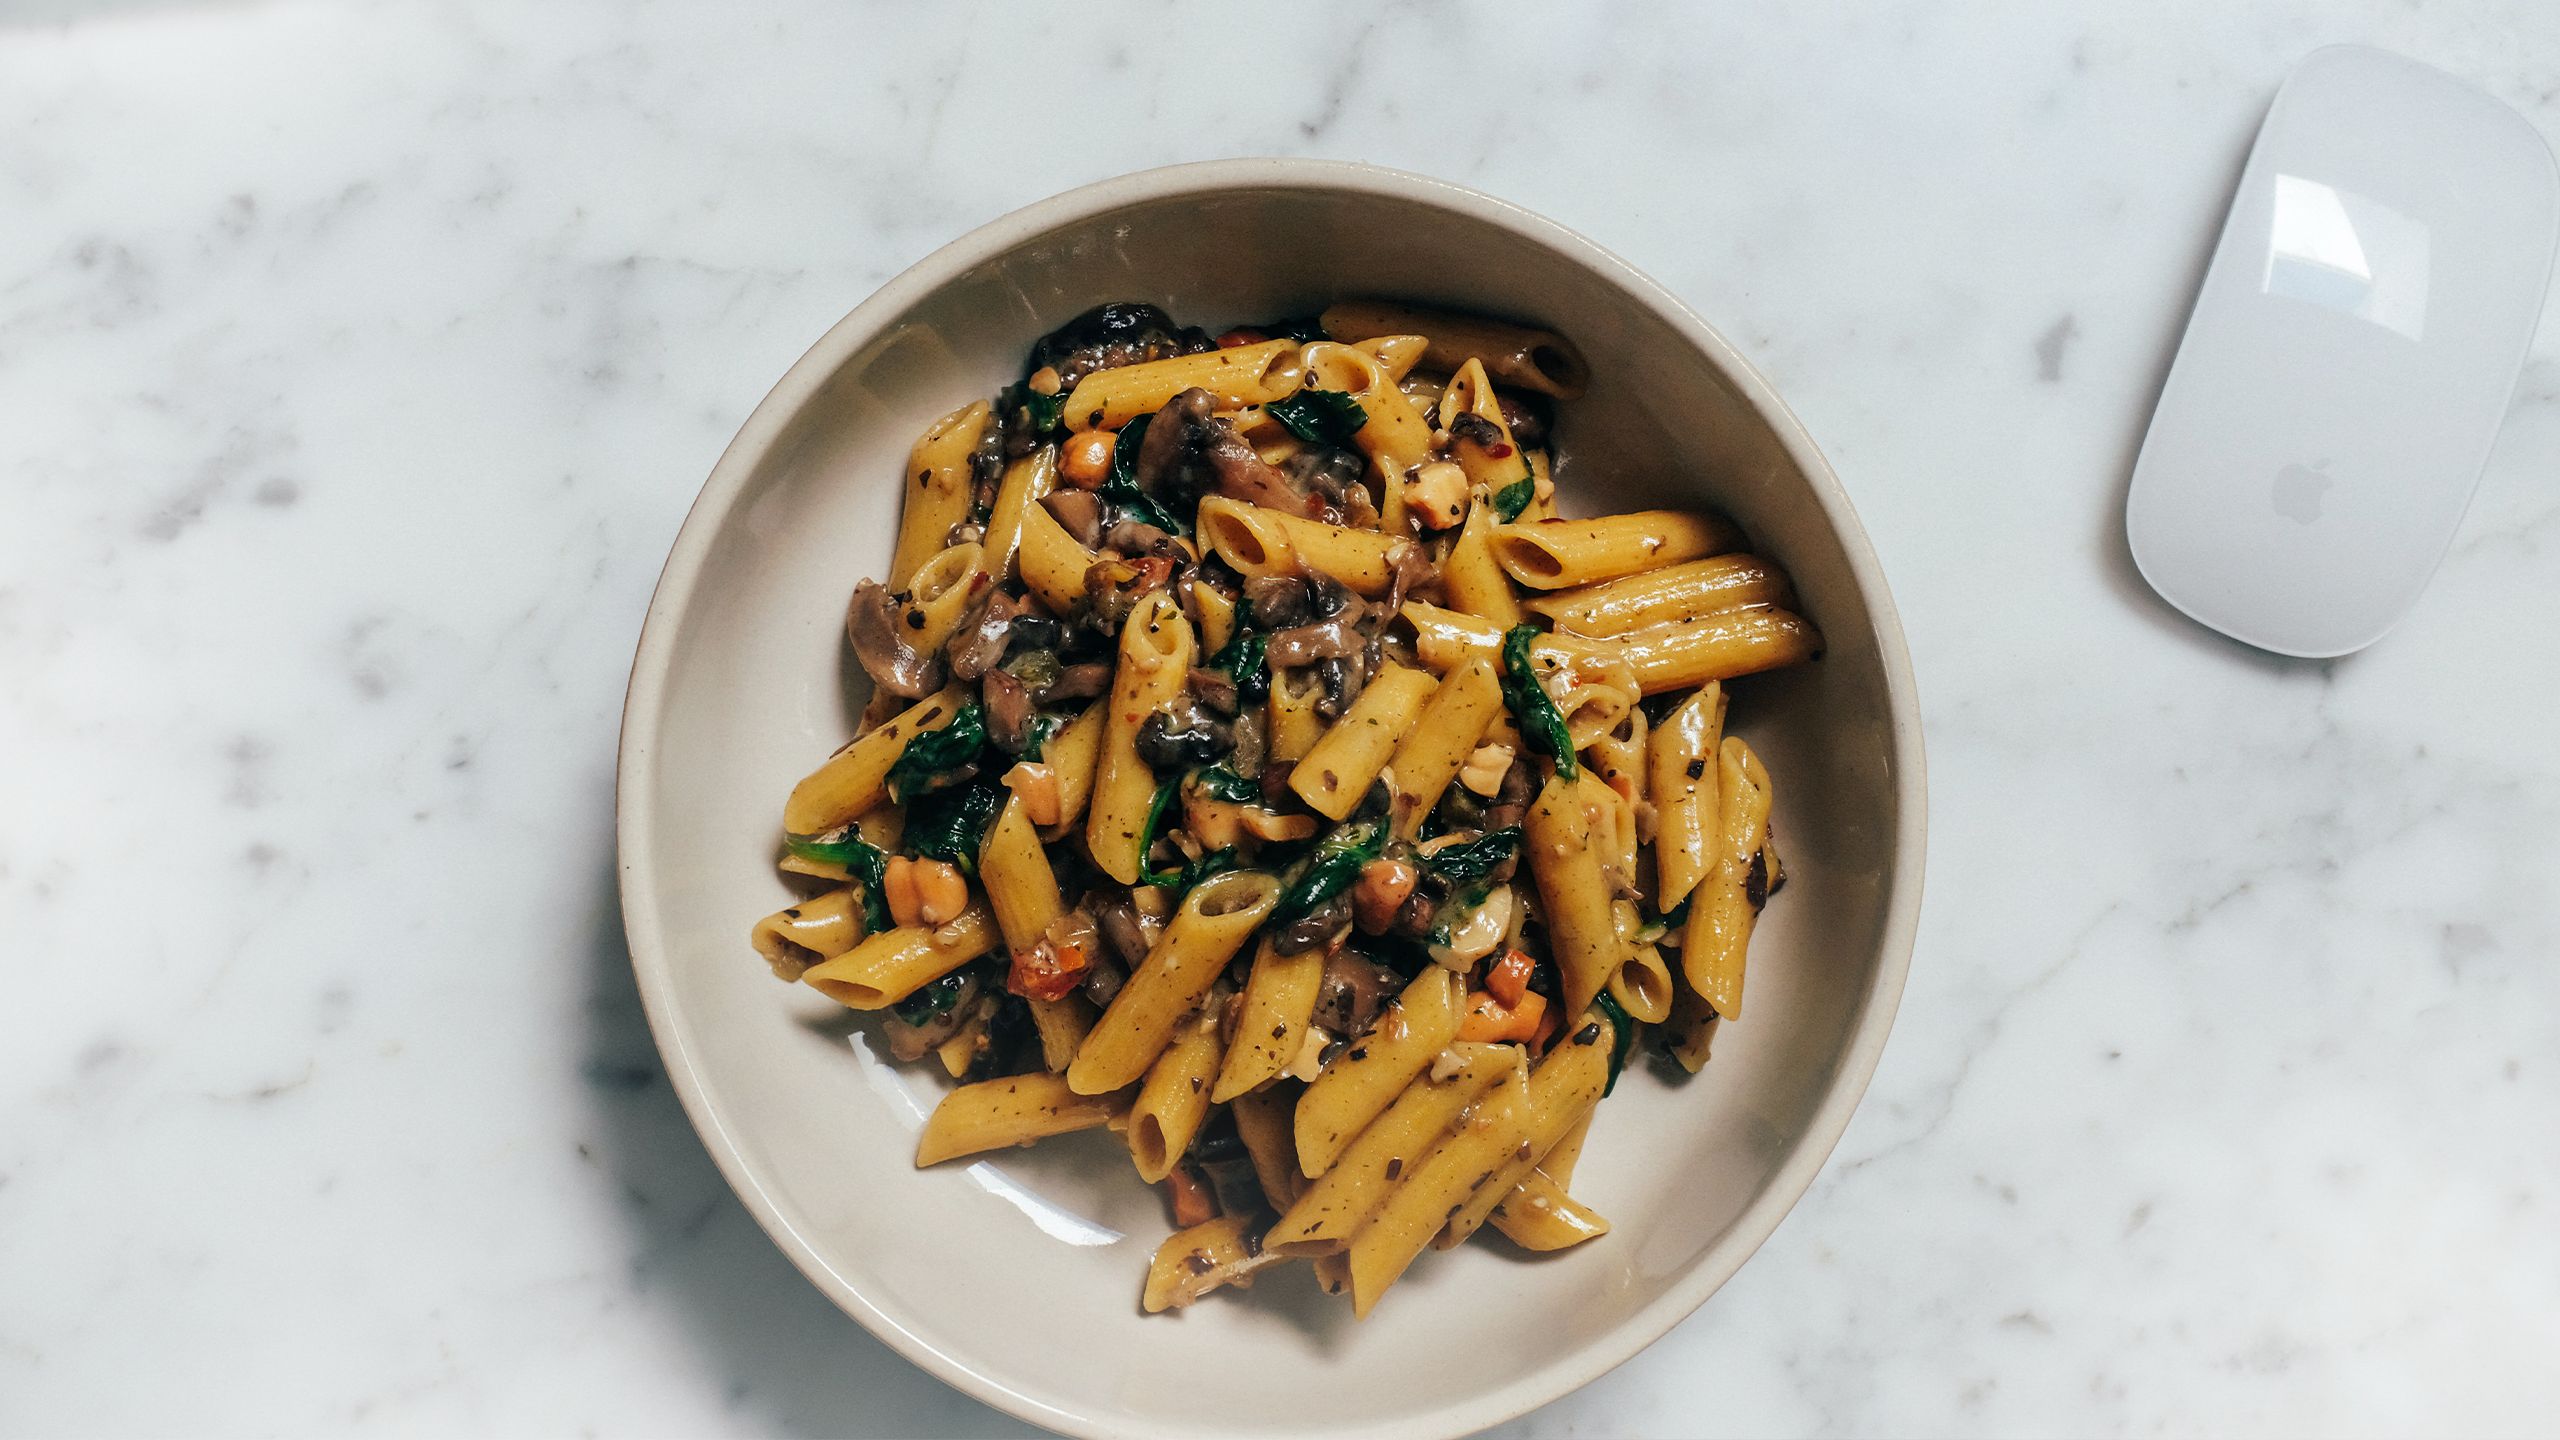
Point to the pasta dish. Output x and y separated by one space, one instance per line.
1259 766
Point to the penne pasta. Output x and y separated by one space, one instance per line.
1718 647
1521 355
1294 724
1175 1099
1017 495
1260 543
1072 756
1155 659
1375 1068
1341 1200
1200 1258
1690 1030
1539 1216
897 962
1215 920
1723 907
1680 766
799 936
856 778
1262 1123
1339 770
1642 986
1051 562
939 489
1581 926
1271 1019
1420 1203
1244 375
1015 1110
1662 597
940 595
1440 739
1561 554
1474 581
1566 1082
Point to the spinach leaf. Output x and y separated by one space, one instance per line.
1513 498
1540 723
1245 662
1041 730
1225 784
933 998
869 864
1319 417
1623 1033
931 756
947 824
1120 487
1048 412
1147 833
1473 859
1330 871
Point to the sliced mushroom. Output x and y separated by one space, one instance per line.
874 621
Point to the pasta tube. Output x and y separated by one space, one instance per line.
1666 596
1539 1216
1259 542
1366 1078
1718 647
1343 1199
1271 1021
1680 765
1073 755
1175 1098
1429 1193
1155 662
1237 377
1723 908
1474 581
1532 359
1051 561
1558 554
1213 923
856 778
1642 986
938 496
1204 1257
1262 1122
1022 889
1581 926
1690 1030
1567 1082
793 939
1339 770
895 963
1015 1110
1437 745
1018 494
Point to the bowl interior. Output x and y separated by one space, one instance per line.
1018 1277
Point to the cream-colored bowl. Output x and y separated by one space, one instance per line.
1017 1279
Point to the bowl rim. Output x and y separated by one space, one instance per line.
644 704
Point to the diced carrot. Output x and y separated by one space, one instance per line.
1548 1025
1046 971
1508 977
1490 1019
1241 335
1193 1204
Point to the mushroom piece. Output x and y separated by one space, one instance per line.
876 624
1190 451
1008 703
979 645
1352 992
1078 512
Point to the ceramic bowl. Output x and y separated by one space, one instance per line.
1016 1279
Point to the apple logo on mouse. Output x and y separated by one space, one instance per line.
2297 491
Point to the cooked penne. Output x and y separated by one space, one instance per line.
1215 920
1350 757
1271 1021
1051 562
1571 892
1681 773
1155 660
856 778
1349 1192
1200 1258
799 936
1662 597
1014 1110
1376 1067
1538 1215
1215 815
1474 581
1559 554
1244 375
1175 1099
1532 359
895 963
938 493
1262 543
1421 1202
1726 903
1439 741
1566 1082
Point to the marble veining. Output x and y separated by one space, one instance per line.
358 365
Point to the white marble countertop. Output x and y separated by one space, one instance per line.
357 365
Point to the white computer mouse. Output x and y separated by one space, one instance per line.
2351 354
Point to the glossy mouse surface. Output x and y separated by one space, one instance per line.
2351 355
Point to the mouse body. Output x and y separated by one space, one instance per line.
2351 355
